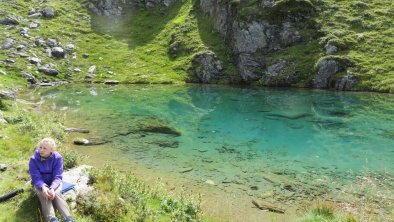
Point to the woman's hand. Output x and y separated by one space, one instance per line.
48 193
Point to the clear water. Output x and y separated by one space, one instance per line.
243 139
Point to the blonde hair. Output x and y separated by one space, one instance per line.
49 141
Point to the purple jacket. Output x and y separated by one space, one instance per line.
49 171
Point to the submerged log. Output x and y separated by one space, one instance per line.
265 206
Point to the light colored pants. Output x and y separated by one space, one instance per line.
47 206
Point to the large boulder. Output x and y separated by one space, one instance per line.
327 68
58 52
48 71
80 177
206 66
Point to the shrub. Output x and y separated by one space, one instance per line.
70 158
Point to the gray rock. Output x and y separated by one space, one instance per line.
2 120
218 12
29 77
85 55
327 68
90 76
58 52
35 61
9 21
250 68
48 71
281 73
250 37
8 43
9 60
346 83
331 49
3 167
31 11
92 69
20 47
167 3
39 42
23 31
206 66
35 15
49 12
51 43
7 95
34 25
2 72
111 82
24 43
289 35
77 70
70 48
267 3
22 55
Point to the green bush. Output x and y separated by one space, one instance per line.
70 159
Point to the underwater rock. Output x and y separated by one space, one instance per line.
292 117
185 170
154 125
210 182
81 141
166 143
78 130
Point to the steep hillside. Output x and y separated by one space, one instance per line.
346 45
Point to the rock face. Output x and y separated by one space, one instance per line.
206 67
254 38
327 68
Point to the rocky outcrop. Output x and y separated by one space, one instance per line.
206 67
253 38
80 177
281 73
327 68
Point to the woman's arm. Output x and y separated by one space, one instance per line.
57 173
35 174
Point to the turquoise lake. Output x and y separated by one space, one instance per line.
253 141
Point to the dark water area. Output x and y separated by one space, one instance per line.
275 144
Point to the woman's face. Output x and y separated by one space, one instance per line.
45 150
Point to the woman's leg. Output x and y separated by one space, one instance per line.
46 205
60 203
